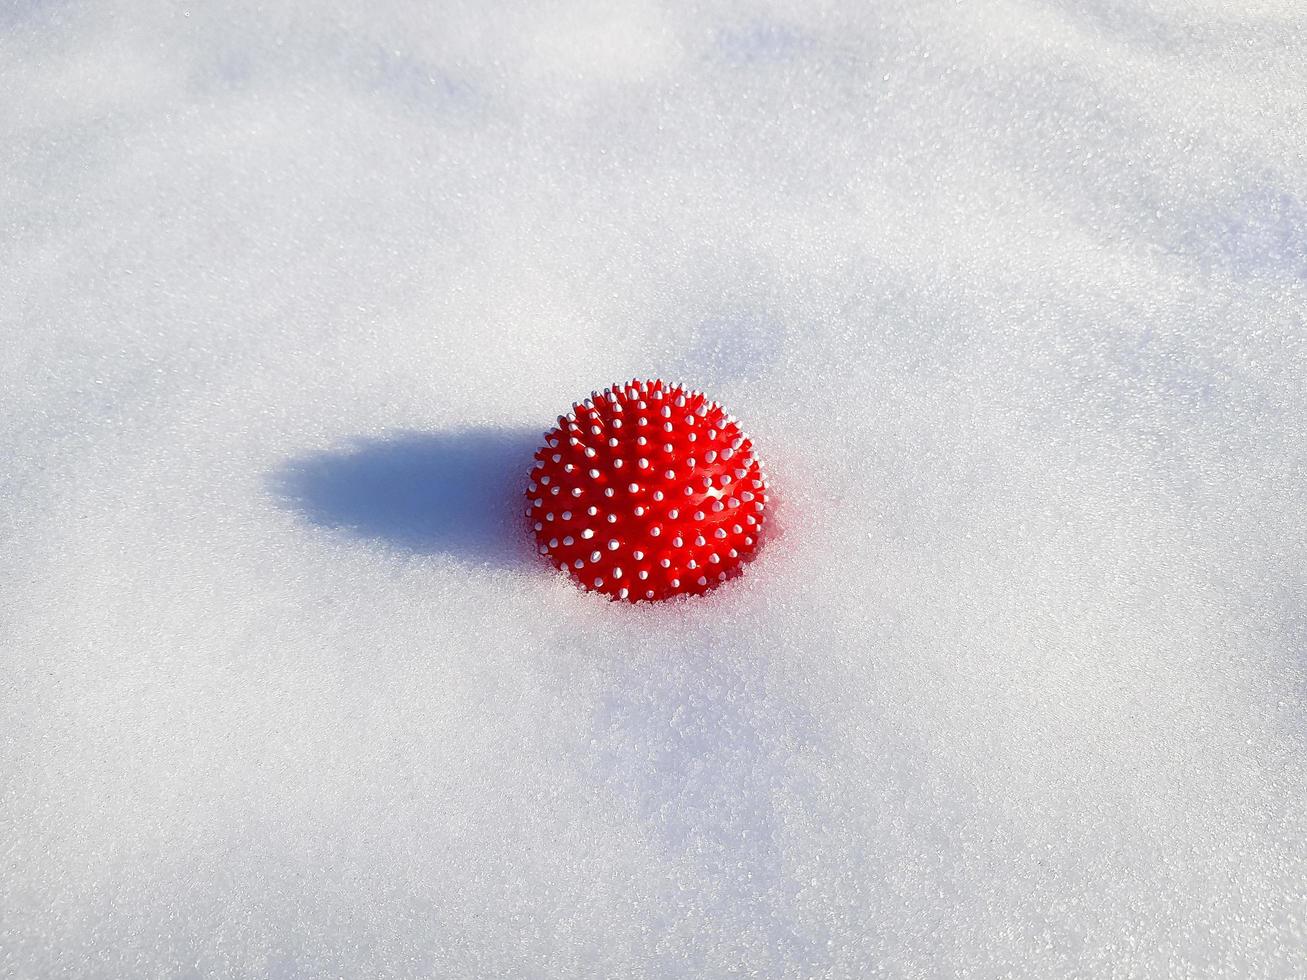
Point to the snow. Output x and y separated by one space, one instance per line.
1012 296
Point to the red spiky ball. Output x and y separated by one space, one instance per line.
647 491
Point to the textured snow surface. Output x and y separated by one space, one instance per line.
1012 295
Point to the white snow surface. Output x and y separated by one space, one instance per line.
1012 295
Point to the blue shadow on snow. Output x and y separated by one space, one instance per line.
457 492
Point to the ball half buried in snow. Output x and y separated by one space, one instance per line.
647 491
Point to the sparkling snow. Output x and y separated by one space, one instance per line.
1012 295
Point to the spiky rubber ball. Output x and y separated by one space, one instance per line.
647 491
